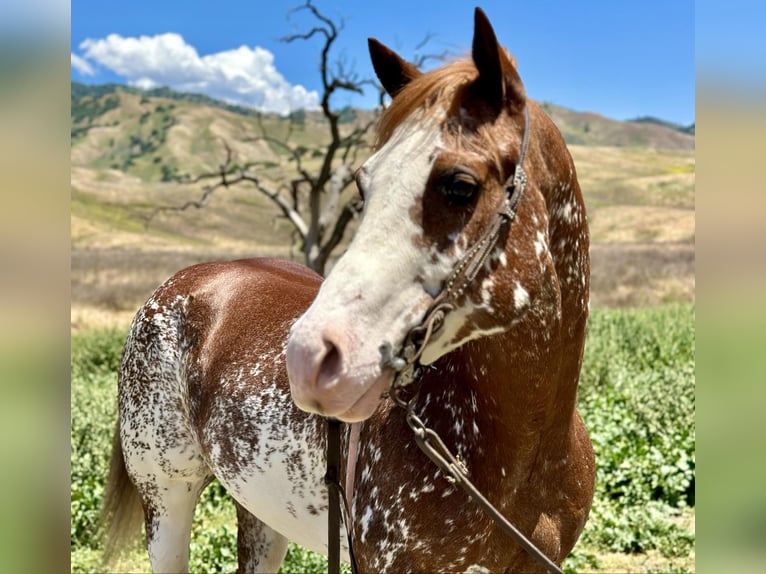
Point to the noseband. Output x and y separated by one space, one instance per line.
406 364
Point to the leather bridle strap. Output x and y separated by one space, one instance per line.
337 501
466 269
471 263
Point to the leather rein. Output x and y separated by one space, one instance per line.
407 368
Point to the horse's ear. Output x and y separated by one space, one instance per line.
392 71
498 82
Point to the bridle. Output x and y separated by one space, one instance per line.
462 275
407 369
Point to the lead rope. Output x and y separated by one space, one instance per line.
333 494
337 500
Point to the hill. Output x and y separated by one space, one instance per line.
591 129
133 151
652 120
148 133
164 135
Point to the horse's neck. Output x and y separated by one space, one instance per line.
493 401
556 178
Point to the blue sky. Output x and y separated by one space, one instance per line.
622 59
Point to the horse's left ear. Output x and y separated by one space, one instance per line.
498 82
392 71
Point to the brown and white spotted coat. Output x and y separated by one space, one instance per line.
204 388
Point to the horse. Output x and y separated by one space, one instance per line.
230 368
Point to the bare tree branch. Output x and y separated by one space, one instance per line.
315 198
224 172
287 210
295 153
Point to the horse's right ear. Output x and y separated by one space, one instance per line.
498 82
392 71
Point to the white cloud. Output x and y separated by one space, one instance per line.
81 65
245 76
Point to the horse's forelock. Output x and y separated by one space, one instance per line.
430 92
441 91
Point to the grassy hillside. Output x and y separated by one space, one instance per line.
132 152
163 135
587 128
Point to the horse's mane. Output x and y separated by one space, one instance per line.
432 91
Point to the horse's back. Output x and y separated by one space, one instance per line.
236 398
249 298
202 388
223 308
213 318
270 288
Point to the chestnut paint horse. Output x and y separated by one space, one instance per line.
203 383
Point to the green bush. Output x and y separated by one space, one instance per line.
637 401
636 397
97 353
95 359
214 550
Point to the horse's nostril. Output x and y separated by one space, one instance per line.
331 365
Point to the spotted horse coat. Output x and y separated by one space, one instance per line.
230 367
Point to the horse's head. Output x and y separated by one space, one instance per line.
447 146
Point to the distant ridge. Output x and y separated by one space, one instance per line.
652 120
592 129
98 90
165 135
80 90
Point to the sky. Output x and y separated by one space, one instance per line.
619 58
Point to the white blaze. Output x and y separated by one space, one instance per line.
383 260
375 293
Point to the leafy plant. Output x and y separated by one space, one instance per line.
637 400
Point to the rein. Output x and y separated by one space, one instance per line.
407 367
337 500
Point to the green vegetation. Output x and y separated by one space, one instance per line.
117 216
637 400
86 110
141 144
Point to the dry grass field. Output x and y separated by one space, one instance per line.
129 150
641 213
640 208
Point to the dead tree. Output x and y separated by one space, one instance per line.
313 200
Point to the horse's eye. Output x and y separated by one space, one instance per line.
460 188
